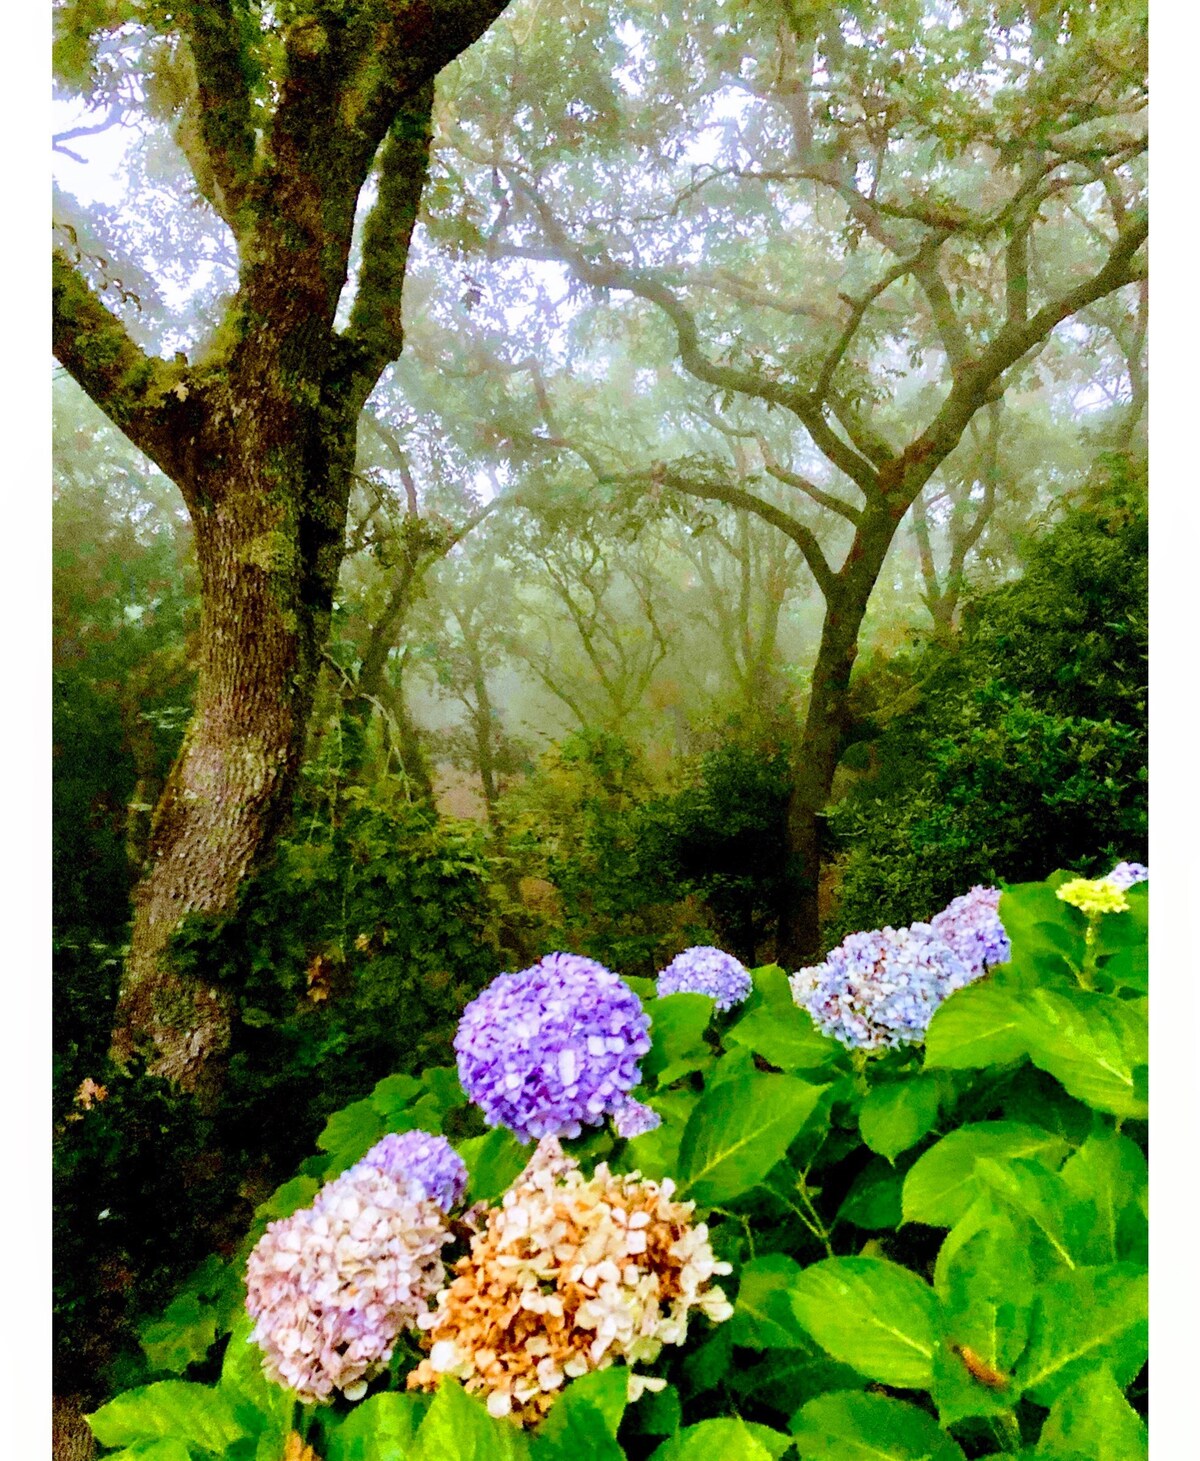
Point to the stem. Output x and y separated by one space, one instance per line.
1007 1430
743 1222
813 1221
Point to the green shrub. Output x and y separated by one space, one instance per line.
1023 746
937 1253
351 956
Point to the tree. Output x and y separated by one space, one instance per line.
288 113
925 215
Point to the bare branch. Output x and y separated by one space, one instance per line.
794 479
738 497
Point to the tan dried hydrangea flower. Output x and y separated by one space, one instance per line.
569 1275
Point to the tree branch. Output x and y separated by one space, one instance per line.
225 72
974 383
144 396
794 479
802 536
375 335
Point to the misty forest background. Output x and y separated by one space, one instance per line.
661 613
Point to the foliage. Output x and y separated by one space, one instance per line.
1026 745
721 833
979 1289
390 928
579 822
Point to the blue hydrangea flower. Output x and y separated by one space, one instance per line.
705 970
552 1048
1125 874
880 988
971 926
426 1166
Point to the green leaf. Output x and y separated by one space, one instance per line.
786 1379
656 1413
166 1450
739 1130
380 1428
895 1117
986 1290
493 1162
979 1025
872 1314
443 1089
942 1185
1092 1317
1109 1174
784 1037
1092 1043
726 1439
873 1201
1058 1221
456 1427
290 1198
394 1094
182 1336
1093 1420
597 1400
196 1415
707 1367
261 1406
1038 921
763 1316
677 1026
350 1133
852 1426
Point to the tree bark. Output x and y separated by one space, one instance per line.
826 722
270 511
260 436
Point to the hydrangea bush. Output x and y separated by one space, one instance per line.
892 1205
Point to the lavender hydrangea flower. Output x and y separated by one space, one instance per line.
971 925
880 988
427 1166
552 1048
704 970
1125 874
332 1286
632 1118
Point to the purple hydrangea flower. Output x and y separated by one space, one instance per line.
632 1118
881 988
331 1287
705 970
1125 874
427 1166
552 1048
971 926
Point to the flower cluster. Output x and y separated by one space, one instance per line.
552 1048
1094 896
424 1165
708 971
570 1275
881 988
971 926
1125 874
333 1285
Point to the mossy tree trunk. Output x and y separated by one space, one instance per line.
260 435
